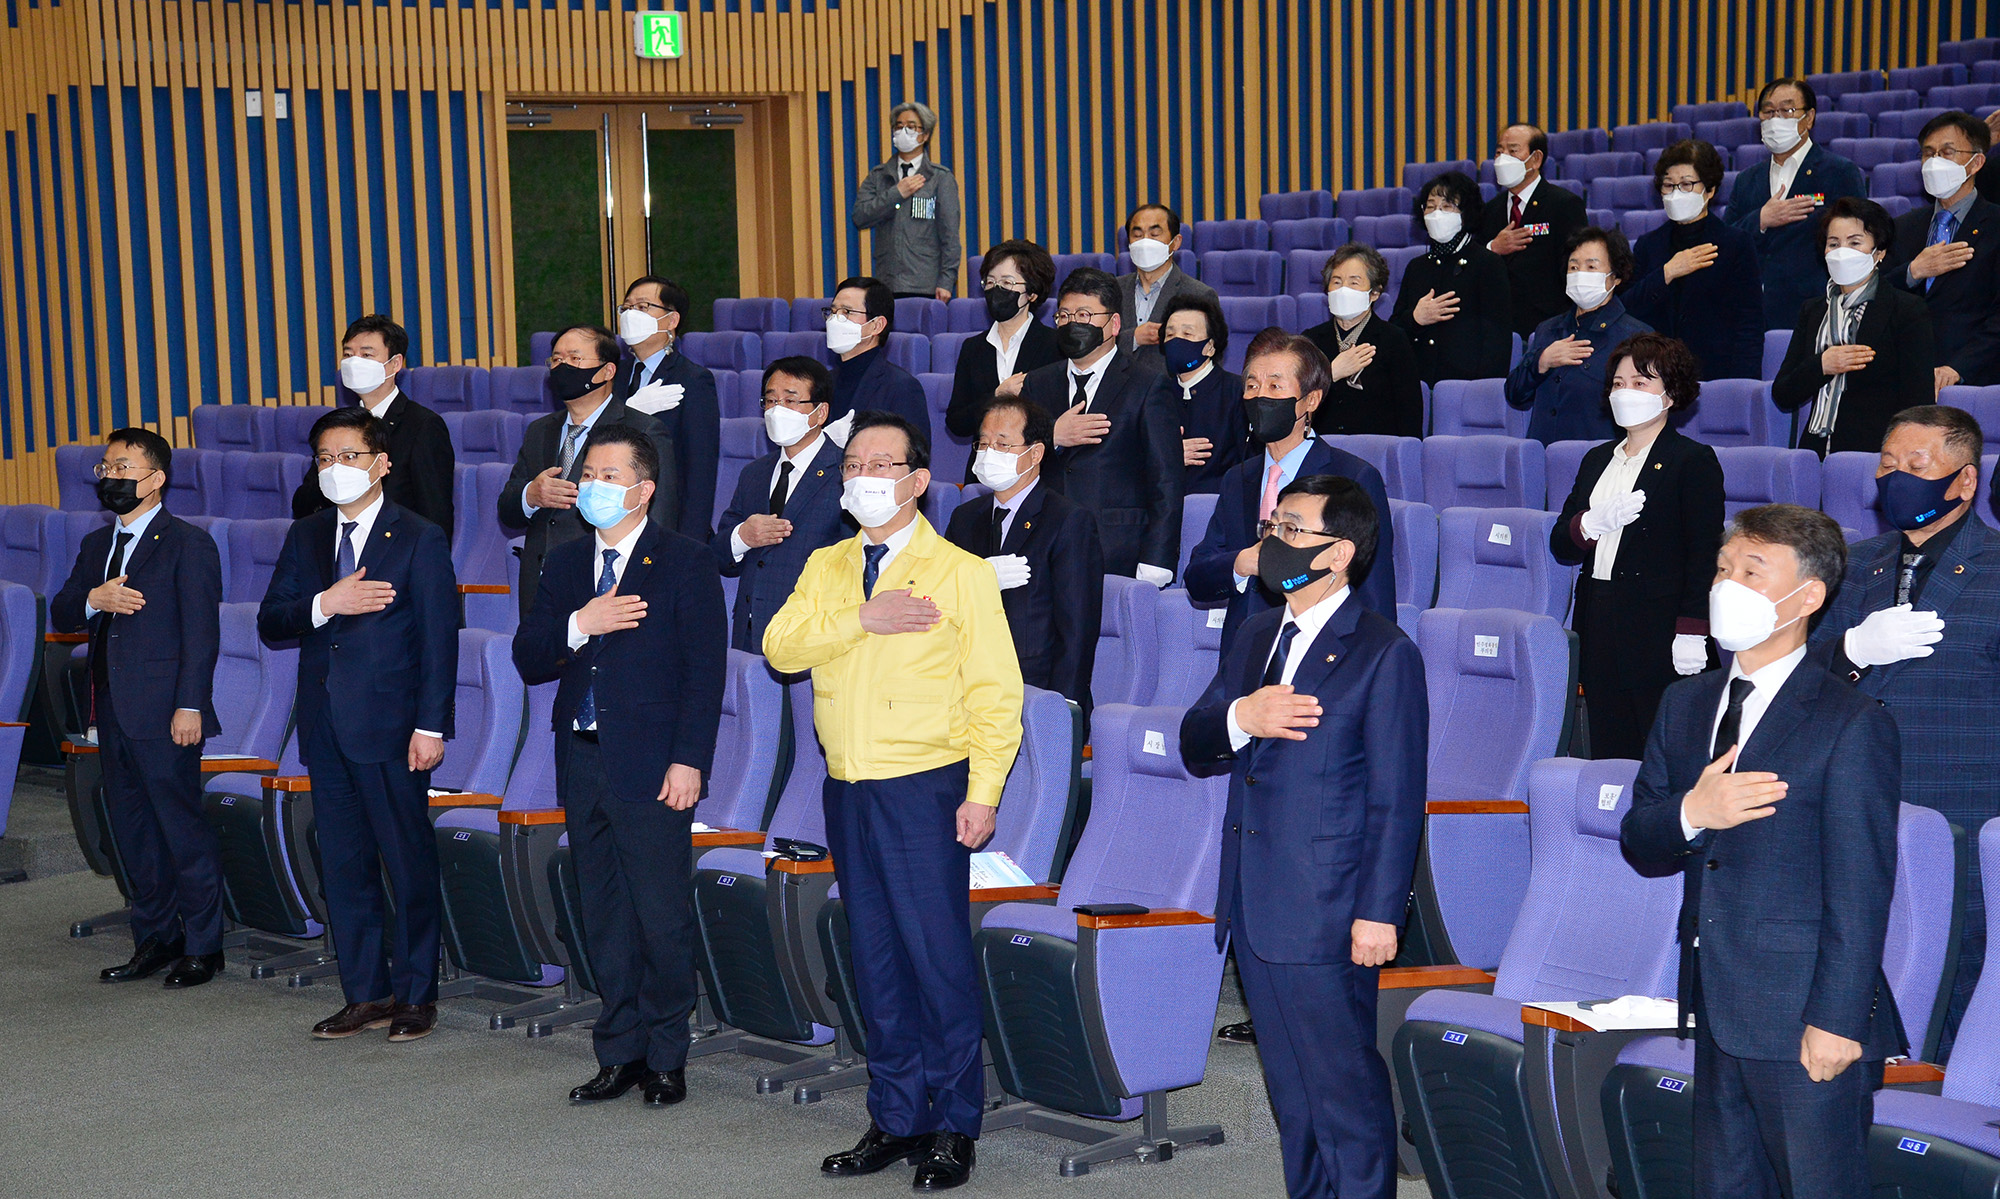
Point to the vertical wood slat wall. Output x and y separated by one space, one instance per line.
159 248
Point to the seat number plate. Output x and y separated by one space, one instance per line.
461 835
1454 1038
1022 939
1676 1085
727 880
1913 1145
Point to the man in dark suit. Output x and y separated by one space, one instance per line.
148 587
1285 380
1950 253
372 354
1042 546
1529 225
787 503
1118 433
1152 239
1916 625
1775 788
631 622
1213 434
858 324
673 389
540 496
1780 200
1319 713
366 588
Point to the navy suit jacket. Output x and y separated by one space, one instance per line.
658 687
1792 910
695 428
1214 409
1792 256
1211 572
1056 615
162 657
1718 311
380 676
1965 303
885 387
769 573
1321 832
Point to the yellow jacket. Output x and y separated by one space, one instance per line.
890 705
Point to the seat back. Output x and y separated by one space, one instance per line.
1733 412
1847 491
1577 141
1371 201
1205 236
1585 167
1776 343
1416 554
1920 923
20 650
911 351
32 550
1197 509
800 813
253 689
743 442
540 346
950 453
751 314
1483 472
1243 272
234 427
485 436
1757 474
746 745
521 389
1309 233
1467 407
1982 402
1905 124
806 343
1938 74
1639 222
217 528
1974 1076
489 707
1564 458
1032 825
1190 648
254 547
1417 174
76 487
1714 110
1843 83
1155 831
1499 558
1896 179
1876 103
1871 152
252 486
945 348
1622 193
1295 206
919 315
966 315
1652 136
446 388
1399 459
293 425
1389 231
1127 669
733 350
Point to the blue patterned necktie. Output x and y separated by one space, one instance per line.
1274 670
1943 228
586 709
872 568
344 563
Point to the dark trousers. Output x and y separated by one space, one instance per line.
173 862
374 819
633 875
903 878
1620 719
1765 1129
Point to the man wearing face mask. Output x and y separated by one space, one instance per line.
1560 377
787 503
1780 200
1285 379
1213 434
373 352
673 389
917 701
1043 549
631 621
1775 789
1319 713
367 590
1529 225
147 587
540 496
858 324
1950 253
1016 276
1916 625
911 204
1152 239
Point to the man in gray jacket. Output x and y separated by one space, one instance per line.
912 205
1152 239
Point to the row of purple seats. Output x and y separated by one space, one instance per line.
1275 207
38 546
1969 51
1730 412
482 552
254 427
488 436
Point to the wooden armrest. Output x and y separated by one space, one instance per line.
1086 753
66 638
533 816
1153 919
1396 978
1010 894
1474 807
1902 1074
466 799
1560 1021
788 866
12 724
246 765
484 589
77 747
727 836
287 782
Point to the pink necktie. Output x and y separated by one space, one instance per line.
1269 504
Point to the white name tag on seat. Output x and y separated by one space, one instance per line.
1501 535
1155 743
1217 617
1485 647
1607 796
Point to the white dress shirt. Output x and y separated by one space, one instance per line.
802 459
1310 622
618 564
1006 352
562 434
363 525
1013 506
381 411
1620 476
1767 681
137 529
1782 173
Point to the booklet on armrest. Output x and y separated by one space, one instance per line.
995 869
1625 1014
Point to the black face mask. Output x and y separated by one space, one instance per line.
1272 418
1183 354
567 382
1284 568
1004 304
118 496
1078 338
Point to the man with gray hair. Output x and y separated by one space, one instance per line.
911 204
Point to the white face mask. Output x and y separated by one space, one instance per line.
344 484
997 469
1847 266
362 375
1509 171
1631 407
1740 619
872 502
1684 206
635 326
842 334
1587 289
1148 254
785 426
1779 133
905 140
1942 177
1443 226
1347 302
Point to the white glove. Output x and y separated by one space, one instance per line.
1158 576
839 430
1690 653
1012 569
1892 635
655 398
1614 513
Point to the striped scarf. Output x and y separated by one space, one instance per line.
1837 328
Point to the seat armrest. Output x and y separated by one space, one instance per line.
1153 919
66 638
788 866
1908 1073
78 747
13 724
727 836
1474 807
1010 894
287 782
244 765
466 799
1396 978
484 589
533 816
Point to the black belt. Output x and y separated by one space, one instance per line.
589 735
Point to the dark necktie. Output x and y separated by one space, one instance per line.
872 568
1515 219
1943 226
99 671
1082 394
999 527
638 375
1732 717
1906 578
586 709
571 435
1274 670
343 562
907 168
783 489
117 565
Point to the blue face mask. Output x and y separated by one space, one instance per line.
1911 502
601 503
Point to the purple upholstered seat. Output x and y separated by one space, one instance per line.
1467 407
1389 230
1273 207
1400 459
1312 233
1871 152
1736 412
1416 553
1243 272
1875 103
254 547
1577 141
487 715
480 549
804 343
76 486
1844 83
1190 646
1650 136
1417 174
1197 510
295 421
1924 78
751 315
246 486
732 350
1714 110
1623 193
1207 236
746 745
1759 474
234 427
1483 472
20 651
1610 163
1564 459
1371 201
1847 491
1127 668
445 388
1499 558
485 436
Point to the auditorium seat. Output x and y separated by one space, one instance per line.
1399 258
20 656
1639 222
217 528
1564 459
732 351
743 785
751 315
33 550
749 393
1499 558
1651 136
1756 474
1094 1018
1844 83
1273 207
188 486
1923 78
1417 174
1830 124
1982 503
446 388
809 312
521 389
1498 683
1871 152
246 486
234 427
950 455
1896 179
1876 103
1416 554
485 436
1985 71
1127 668
945 348
1847 492
1907 123
1623 193
1316 233
1243 272
481 552
940 500
1975 50
806 344
967 315
1065 263
76 486
1982 402
293 423
1206 237
1731 131
1304 268
919 315
1190 648
254 549
1483 472
1736 412
1776 343
1714 110
540 347
743 442
1197 509
1467 407
911 351
1355 203
1390 230
488 707
1577 141
1585 167
1896 206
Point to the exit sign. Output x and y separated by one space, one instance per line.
659 34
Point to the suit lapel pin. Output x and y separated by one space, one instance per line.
819 474
1878 570
1027 524
1959 569
388 532
645 561
1329 657
1656 466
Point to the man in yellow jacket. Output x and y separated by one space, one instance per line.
917 700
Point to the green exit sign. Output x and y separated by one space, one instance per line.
659 34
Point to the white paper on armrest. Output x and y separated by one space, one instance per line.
1626 1013
699 827
228 757
996 869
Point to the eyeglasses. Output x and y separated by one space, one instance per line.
1948 153
796 404
121 471
1792 111
645 306
1289 531
556 360
1005 447
344 457
874 468
1066 315
1693 188
858 315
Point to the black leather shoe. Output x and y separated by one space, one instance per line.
876 1150
1237 1034
193 970
947 1163
664 1088
149 957
610 1083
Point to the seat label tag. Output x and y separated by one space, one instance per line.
1485 647
1676 1085
1156 742
1454 1038
1500 535
1022 939
1607 796
1913 1145
727 880
461 835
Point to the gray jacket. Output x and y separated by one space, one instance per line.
1177 283
916 240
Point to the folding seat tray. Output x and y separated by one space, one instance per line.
480 934
258 888
1458 1065
738 957
1648 1100
1035 1022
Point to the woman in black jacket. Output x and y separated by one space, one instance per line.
1455 302
1696 277
1862 352
1644 520
1016 276
1375 385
